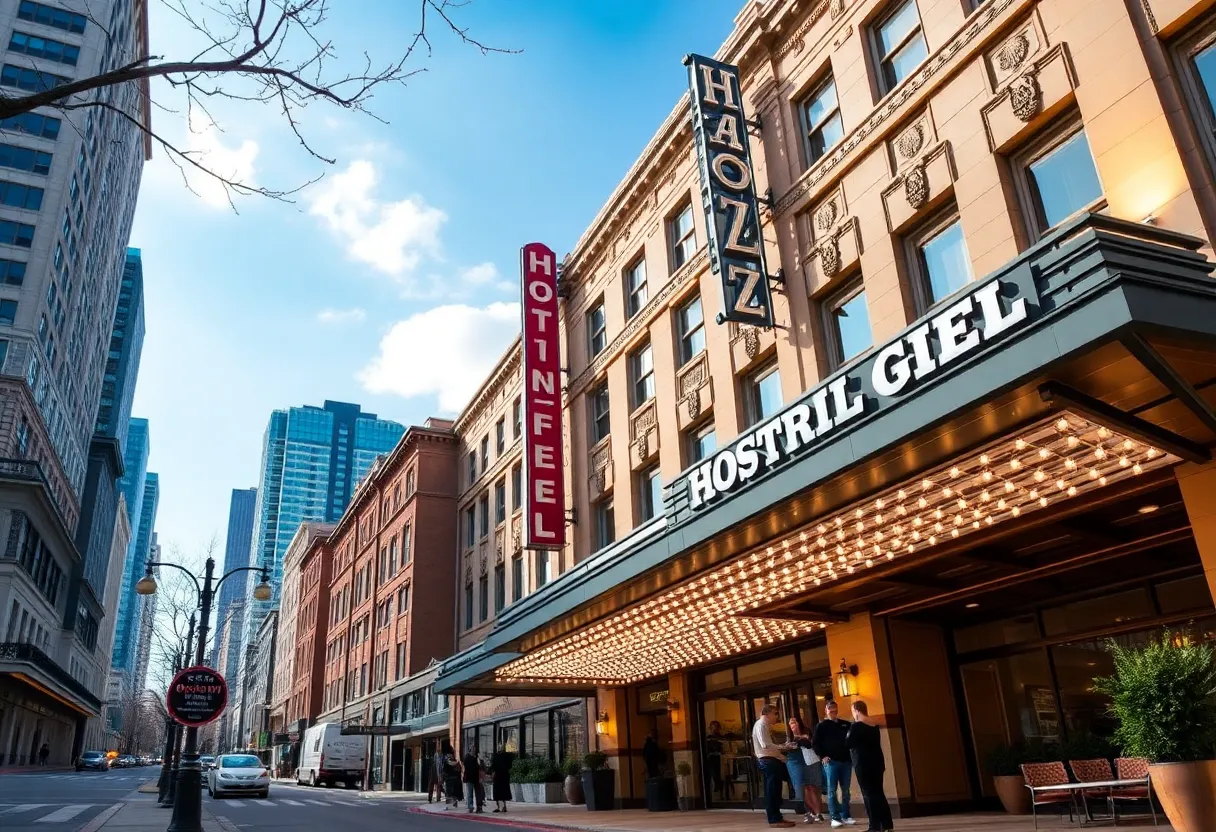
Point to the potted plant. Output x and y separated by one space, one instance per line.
661 792
520 772
599 782
684 784
1004 763
1164 697
574 782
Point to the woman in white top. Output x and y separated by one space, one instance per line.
806 772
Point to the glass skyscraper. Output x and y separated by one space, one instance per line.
236 554
126 635
312 459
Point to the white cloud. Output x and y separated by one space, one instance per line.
341 316
446 351
392 237
204 144
472 283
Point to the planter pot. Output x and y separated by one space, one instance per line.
530 792
599 790
1014 795
684 787
517 792
574 789
552 793
661 794
1187 792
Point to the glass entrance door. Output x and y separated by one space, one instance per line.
727 751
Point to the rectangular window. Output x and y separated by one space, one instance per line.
12 272
690 324
517 486
682 237
23 158
517 577
485 515
636 293
403 600
485 454
48 16
517 417
405 546
900 44
16 195
500 436
542 569
702 442
500 588
941 264
45 48
470 526
597 330
1062 180
16 234
605 524
821 122
483 590
762 394
468 606
650 494
32 124
8 312
641 375
30 80
598 402
848 324
472 467
500 502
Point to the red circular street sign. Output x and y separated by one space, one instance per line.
197 696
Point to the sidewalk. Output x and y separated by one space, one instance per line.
142 814
564 816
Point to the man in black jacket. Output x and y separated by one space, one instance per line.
865 745
830 742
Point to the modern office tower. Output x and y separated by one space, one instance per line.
312 459
126 637
70 181
236 554
147 621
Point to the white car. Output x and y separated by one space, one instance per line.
238 774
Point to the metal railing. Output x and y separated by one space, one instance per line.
28 653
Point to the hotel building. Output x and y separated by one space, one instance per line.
975 445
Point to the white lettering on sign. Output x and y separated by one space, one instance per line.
922 352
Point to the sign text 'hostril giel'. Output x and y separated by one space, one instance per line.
728 191
543 475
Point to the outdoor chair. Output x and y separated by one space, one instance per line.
1093 771
1038 775
1132 768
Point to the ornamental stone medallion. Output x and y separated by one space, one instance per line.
829 257
825 217
1012 54
916 186
751 341
693 400
910 143
1025 97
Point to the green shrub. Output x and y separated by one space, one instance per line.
1087 747
1164 697
572 767
683 768
520 770
595 760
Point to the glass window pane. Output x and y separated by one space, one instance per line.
821 105
826 136
766 395
1184 594
947 265
702 444
904 62
853 326
1097 612
995 633
897 26
1205 65
1065 180
768 669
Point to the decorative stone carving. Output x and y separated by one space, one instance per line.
498 553
600 478
693 399
642 446
468 572
751 341
482 567
1025 97
916 186
517 538
826 216
829 257
836 8
910 143
1012 54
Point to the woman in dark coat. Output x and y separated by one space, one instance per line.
451 777
500 768
869 765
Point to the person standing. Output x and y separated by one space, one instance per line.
43 753
470 776
806 772
451 778
830 742
652 755
713 760
480 790
434 787
865 747
500 768
770 757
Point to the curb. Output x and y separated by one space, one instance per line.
102 819
150 787
517 824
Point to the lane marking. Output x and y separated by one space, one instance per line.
233 803
23 807
64 814
292 802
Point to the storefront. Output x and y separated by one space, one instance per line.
951 528
554 731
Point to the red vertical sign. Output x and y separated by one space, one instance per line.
544 476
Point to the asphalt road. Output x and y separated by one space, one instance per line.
65 802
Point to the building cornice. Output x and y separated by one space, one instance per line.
507 363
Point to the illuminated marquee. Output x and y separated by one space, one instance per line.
728 193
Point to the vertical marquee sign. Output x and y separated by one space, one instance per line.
728 194
543 475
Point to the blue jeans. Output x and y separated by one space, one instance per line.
773 771
839 773
470 795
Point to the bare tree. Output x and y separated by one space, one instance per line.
275 53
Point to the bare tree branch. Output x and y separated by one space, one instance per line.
270 52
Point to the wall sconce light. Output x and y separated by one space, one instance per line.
601 723
673 711
846 680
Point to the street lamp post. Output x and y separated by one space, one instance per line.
164 787
188 802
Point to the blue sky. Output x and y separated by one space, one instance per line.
392 282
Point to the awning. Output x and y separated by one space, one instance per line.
1103 380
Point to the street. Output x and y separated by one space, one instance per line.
66 802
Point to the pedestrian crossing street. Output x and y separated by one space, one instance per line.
25 813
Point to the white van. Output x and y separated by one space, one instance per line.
328 758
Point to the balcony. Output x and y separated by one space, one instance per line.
47 675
